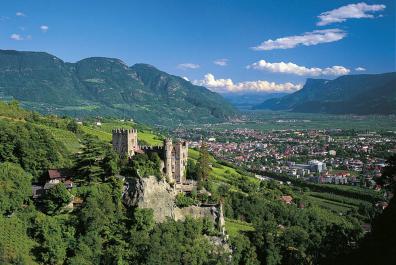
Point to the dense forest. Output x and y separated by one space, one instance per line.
101 229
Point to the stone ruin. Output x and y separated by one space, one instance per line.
174 155
160 195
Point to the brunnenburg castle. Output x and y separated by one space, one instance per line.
174 155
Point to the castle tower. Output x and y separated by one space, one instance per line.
181 155
125 141
169 161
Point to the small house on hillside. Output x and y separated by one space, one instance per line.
55 176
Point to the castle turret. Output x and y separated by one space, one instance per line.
169 161
125 141
181 155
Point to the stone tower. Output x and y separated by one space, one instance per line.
175 156
169 163
125 142
181 154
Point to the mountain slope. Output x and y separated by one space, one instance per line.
356 94
101 86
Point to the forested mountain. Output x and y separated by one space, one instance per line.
106 87
355 94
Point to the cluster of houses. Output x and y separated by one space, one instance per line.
54 177
320 152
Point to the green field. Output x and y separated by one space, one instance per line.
332 205
69 139
103 132
234 227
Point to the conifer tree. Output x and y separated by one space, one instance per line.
203 167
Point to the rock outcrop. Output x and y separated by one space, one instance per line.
160 196
151 193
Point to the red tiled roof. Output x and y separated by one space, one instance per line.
54 174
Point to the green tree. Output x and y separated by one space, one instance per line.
388 178
73 126
15 187
54 236
191 171
111 162
56 198
203 166
15 245
32 147
89 162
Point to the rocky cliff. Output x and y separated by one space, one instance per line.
160 196
151 193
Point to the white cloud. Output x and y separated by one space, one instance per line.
292 68
221 62
18 37
227 85
44 28
341 14
20 14
307 39
360 69
15 36
188 66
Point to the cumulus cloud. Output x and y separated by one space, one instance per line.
20 14
188 66
341 14
292 68
360 69
227 85
221 62
307 39
44 28
17 37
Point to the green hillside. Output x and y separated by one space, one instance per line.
107 87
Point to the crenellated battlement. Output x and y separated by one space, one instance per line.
124 131
157 148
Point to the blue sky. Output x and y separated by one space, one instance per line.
293 40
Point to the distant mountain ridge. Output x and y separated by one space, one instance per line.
99 86
350 94
246 101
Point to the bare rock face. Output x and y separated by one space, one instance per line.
160 196
151 193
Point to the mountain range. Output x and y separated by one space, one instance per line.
350 94
101 86
245 101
